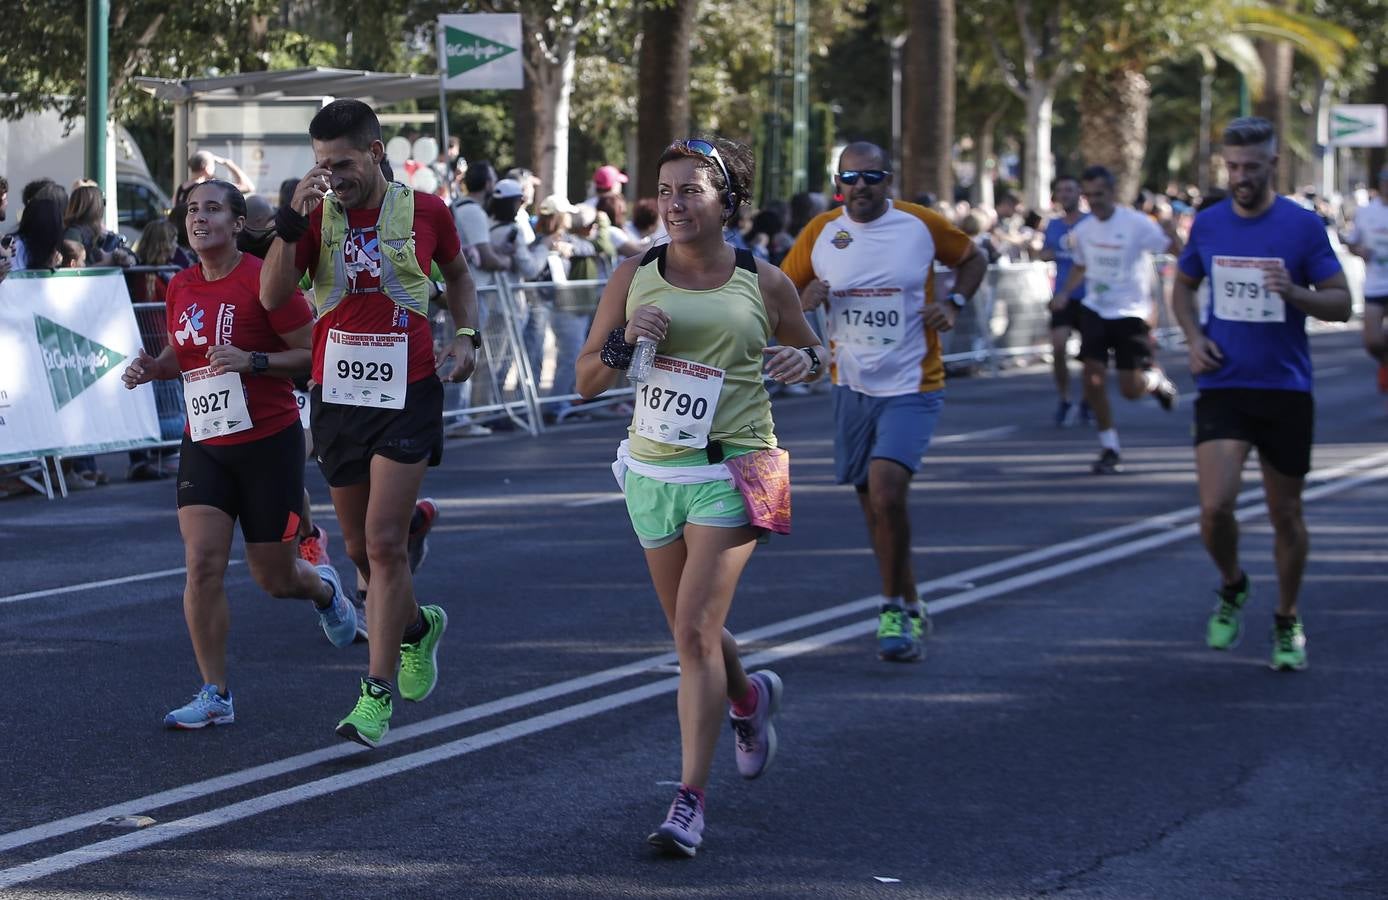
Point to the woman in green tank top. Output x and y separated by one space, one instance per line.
712 311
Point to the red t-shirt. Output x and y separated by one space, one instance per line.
201 314
435 238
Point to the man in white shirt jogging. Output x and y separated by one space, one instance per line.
1368 238
1112 252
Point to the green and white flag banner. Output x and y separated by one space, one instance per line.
65 338
480 51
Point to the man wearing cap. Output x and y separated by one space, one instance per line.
1368 238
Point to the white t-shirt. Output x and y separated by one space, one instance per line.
880 276
1371 228
1116 255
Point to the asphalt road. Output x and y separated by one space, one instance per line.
1068 734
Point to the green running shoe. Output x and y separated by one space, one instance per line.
922 626
896 641
1225 627
369 720
419 662
1288 646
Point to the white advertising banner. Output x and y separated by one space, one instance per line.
1359 125
65 338
481 51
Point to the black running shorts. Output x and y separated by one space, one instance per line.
346 437
260 482
1069 317
1130 340
1279 423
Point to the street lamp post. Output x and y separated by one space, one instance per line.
896 43
98 26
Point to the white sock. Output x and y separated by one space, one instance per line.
1153 379
892 601
914 606
1108 439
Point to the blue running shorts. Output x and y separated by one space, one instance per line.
867 428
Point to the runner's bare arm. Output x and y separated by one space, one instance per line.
970 272
1329 301
1072 281
460 294
145 368
594 377
788 363
291 363
1205 355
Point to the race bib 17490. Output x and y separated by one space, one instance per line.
216 404
365 369
1240 293
675 405
868 317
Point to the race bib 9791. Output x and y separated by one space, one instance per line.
1240 293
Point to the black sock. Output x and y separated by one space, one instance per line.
223 693
1284 622
381 685
417 629
1239 587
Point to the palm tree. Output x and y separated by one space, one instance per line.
1115 94
662 103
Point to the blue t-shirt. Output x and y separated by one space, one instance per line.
1263 339
1056 230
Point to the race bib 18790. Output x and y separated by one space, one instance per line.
675 405
1240 293
216 404
366 369
868 317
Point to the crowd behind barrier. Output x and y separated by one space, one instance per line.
513 388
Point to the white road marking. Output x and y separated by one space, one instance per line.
277 799
94 585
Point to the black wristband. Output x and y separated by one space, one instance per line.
290 225
616 352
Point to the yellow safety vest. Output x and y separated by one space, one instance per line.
402 279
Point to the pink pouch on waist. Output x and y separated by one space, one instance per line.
763 479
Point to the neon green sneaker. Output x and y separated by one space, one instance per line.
922 626
369 720
419 662
1225 627
1288 646
895 639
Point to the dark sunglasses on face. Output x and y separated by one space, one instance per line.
869 176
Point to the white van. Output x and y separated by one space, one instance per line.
39 145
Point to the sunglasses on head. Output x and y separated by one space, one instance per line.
705 149
869 176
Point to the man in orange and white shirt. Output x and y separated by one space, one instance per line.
870 263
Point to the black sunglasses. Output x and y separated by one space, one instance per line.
705 149
869 176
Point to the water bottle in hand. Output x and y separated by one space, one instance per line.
642 358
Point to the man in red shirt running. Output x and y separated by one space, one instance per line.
377 405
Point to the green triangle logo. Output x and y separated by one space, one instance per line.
73 362
465 51
1344 125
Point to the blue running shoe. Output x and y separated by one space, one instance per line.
340 619
206 708
895 642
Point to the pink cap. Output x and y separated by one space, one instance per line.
608 177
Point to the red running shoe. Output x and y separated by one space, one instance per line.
314 548
425 512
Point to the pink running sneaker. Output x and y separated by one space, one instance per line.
683 829
314 548
756 734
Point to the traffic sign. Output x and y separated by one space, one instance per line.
1359 125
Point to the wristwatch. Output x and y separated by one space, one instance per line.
471 333
959 300
814 359
260 363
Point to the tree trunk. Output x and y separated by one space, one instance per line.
929 101
549 79
662 102
1276 105
1113 126
1036 153
985 158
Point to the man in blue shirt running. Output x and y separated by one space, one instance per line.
1269 265
1058 248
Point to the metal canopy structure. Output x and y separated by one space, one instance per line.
287 86
371 87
